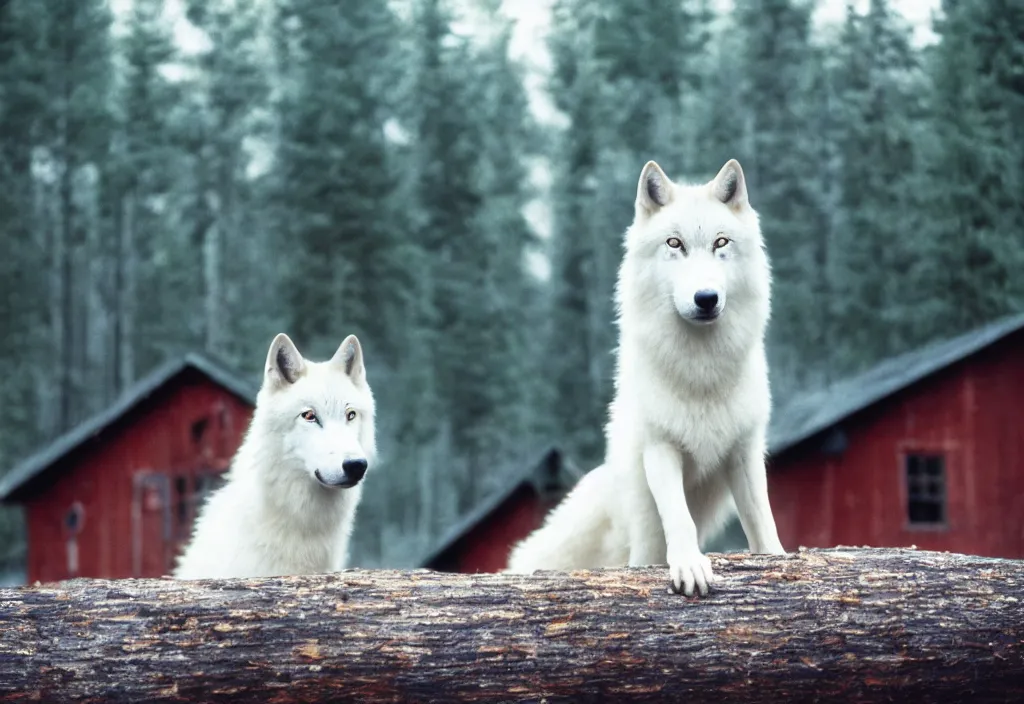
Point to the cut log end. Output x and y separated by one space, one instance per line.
846 624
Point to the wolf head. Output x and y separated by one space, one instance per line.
699 246
323 412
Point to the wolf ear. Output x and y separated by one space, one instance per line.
730 186
350 358
654 191
284 363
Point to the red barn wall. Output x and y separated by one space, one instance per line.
120 535
971 412
486 547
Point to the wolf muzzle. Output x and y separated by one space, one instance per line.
352 473
706 301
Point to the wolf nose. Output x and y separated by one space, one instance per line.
706 299
354 469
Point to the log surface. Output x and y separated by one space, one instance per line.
843 625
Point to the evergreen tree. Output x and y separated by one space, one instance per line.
139 176
337 186
650 57
73 136
448 199
497 400
582 279
230 89
782 166
968 206
23 98
876 147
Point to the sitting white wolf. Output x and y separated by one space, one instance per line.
686 433
294 484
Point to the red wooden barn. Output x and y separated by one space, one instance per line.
115 497
925 449
481 541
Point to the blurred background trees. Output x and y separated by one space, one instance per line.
200 175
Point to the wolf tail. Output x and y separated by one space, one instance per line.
577 534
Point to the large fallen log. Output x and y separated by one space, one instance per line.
845 625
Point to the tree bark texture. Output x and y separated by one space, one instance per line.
841 625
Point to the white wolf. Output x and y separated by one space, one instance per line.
685 441
293 487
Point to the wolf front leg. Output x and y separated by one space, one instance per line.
635 509
688 568
748 481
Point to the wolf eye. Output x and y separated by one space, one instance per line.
674 243
351 415
720 242
308 416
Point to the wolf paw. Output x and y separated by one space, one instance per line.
690 571
770 548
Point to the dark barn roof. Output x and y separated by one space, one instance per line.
812 413
34 465
552 470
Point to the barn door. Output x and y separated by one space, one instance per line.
151 525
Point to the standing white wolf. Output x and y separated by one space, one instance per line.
687 426
293 487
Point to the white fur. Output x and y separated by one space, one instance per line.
686 432
283 509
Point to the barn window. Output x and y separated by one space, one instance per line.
926 489
73 518
199 429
